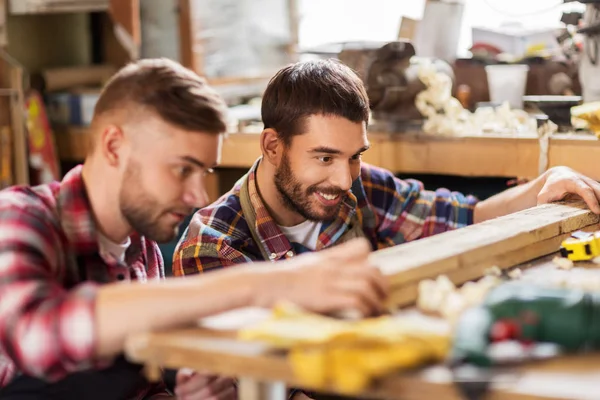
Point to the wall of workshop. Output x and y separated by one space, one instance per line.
160 29
49 40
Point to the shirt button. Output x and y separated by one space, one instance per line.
272 256
290 254
120 277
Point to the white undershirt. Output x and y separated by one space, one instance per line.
111 249
305 233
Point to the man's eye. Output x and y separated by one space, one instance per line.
356 157
325 159
185 171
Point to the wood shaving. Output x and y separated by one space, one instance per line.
562 262
445 115
515 273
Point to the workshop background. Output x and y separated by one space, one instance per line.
475 95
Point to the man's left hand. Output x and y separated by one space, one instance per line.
563 181
191 385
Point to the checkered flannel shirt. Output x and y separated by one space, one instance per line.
50 270
390 211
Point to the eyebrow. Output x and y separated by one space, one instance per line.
330 150
197 162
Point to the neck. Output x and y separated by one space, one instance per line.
265 182
103 196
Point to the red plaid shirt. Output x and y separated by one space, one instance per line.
50 271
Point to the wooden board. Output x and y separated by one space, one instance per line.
19 140
465 253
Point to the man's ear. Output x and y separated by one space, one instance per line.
112 141
271 146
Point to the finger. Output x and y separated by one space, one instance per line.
594 185
229 393
363 291
215 387
587 193
373 275
194 384
183 374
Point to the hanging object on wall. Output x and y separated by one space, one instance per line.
43 158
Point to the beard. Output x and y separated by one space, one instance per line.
299 199
141 211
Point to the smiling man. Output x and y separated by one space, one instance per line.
310 190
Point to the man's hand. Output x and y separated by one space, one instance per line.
555 184
563 181
190 385
337 279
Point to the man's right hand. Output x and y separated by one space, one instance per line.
332 280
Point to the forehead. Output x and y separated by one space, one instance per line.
167 140
332 131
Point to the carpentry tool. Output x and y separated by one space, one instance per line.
530 318
529 314
581 246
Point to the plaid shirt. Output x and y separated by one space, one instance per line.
390 211
50 271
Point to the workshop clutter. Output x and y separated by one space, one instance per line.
346 355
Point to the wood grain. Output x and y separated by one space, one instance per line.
482 243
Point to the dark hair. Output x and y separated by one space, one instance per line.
325 87
178 95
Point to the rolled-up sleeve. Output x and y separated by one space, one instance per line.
405 211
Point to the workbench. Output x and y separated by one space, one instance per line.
528 239
214 348
412 153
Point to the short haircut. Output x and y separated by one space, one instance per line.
176 94
325 87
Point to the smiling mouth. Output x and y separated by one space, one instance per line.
329 197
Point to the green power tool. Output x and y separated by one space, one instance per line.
529 314
524 313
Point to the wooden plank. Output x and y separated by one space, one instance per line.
125 15
464 253
186 37
17 105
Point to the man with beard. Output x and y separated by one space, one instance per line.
310 190
80 269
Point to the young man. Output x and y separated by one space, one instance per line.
309 190
80 269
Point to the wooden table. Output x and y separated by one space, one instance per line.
214 348
414 153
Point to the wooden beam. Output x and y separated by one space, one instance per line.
464 254
20 149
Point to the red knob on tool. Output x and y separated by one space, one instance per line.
504 330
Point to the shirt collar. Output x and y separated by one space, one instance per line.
77 219
273 240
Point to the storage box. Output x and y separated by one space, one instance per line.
72 108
